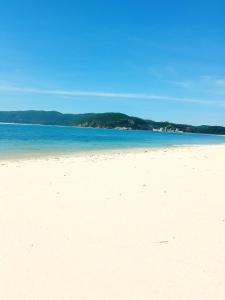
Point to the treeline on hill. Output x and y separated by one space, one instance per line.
101 120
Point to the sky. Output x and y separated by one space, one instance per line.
160 60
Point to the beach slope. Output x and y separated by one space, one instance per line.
114 226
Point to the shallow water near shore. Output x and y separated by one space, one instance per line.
17 140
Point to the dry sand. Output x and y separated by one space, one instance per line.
142 225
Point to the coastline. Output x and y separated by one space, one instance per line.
116 128
125 225
100 152
51 141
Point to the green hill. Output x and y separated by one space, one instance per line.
101 120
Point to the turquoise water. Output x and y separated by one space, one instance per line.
21 140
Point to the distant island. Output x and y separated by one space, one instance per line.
102 120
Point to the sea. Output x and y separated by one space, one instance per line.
20 140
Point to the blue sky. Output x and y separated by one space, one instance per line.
162 60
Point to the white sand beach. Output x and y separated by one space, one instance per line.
143 225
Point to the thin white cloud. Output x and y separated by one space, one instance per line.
182 83
63 93
215 82
220 83
213 85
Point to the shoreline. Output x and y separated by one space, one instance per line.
101 152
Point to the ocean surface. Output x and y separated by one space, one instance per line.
36 140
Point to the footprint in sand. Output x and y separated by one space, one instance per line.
162 242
